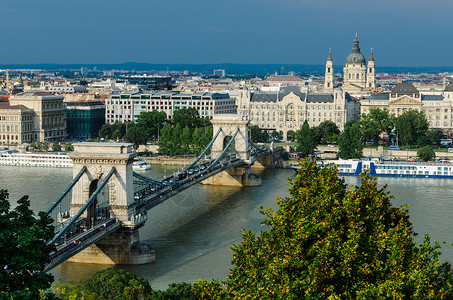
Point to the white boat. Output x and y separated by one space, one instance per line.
391 168
32 159
140 164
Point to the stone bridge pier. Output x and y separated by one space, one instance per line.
122 246
271 160
237 176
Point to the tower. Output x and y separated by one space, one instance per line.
371 75
328 78
355 69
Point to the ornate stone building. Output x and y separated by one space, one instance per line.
438 108
49 115
288 109
16 124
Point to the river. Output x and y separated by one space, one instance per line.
192 233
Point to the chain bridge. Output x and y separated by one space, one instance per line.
98 216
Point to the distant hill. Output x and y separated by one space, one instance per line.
229 68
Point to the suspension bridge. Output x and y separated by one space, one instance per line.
98 216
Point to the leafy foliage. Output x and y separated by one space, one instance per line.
56 146
175 140
189 117
114 131
433 136
306 144
68 146
411 126
258 135
326 132
349 144
330 242
150 123
374 123
24 250
135 135
107 284
426 153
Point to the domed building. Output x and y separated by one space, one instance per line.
358 76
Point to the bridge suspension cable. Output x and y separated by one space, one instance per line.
224 150
66 191
202 154
74 219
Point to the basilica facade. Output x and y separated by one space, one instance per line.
359 76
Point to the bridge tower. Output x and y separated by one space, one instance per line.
230 124
237 176
123 246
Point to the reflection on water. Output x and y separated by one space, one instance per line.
192 233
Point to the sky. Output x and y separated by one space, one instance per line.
402 33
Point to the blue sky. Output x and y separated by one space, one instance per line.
401 32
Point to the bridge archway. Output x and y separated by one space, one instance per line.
229 124
232 148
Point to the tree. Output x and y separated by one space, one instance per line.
106 131
56 146
187 117
434 136
107 284
325 132
349 144
165 142
306 144
24 250
135 135
151 122
426 153
68 146
116 135
369 129
186 141
258 135
328 241
411 125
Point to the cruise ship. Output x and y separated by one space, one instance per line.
32 159
355 167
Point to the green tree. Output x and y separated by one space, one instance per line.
107 284
349 145
135 135
44 146
411 125
186 141
106 131
187 117
306 144
325 132
176 140
151 122
426 153
327 241
165 142
197 141
68 146
56 146
291 135
434 136
369 129
24 250
258 135
117 135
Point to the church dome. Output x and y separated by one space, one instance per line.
356 57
